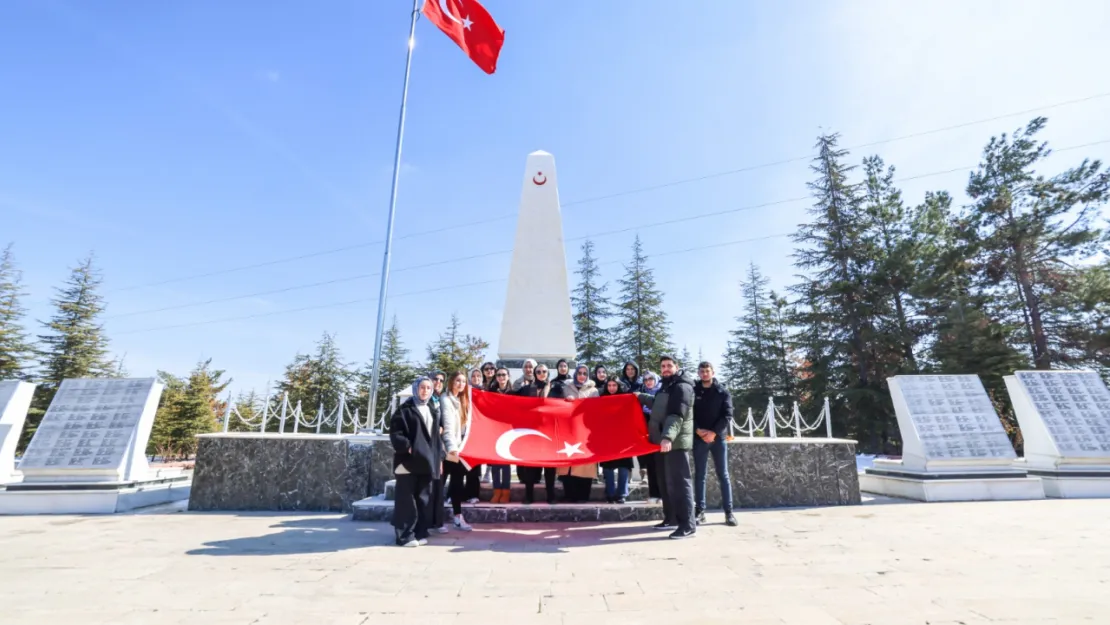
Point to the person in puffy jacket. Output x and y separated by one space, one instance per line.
540 386
648 462
671 426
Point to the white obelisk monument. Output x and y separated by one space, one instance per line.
537 319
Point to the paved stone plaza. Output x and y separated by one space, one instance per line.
882 563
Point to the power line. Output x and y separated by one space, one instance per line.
421 292
592 235
646 189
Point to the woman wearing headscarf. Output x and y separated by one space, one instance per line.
578 480
502 473
475 379
455 404
415 434
599 377
647 461
616 471
540 386
630 378
529 374
562 371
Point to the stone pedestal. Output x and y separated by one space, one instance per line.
787 472
15 400
317 472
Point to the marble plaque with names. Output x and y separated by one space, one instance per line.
951 416
1074 407
94 426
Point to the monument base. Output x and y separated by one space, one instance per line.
974 484
379 509
92 498
1074 484
637 491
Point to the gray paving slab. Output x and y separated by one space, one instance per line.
1036 562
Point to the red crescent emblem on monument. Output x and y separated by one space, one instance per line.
539 183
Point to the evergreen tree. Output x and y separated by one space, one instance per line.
591 309
756 362
453 351
188 407
15 351
397 372
837 256
249 407
642 330
315 380
75 345
893 243
685 361
1032 232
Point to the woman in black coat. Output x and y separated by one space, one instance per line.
616 471
418 453
538 387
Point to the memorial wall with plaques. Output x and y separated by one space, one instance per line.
948 422
94 430
1065 416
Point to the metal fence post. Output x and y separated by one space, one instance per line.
342 410
751 423
227 417
797 421
320 417
828 419
771 417
284 405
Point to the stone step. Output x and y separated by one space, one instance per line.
637 491
378 509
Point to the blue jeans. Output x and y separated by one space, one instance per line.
702 450
502 475
616 486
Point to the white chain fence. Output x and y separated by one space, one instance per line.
291 419
774 421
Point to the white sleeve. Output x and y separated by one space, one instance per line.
450 425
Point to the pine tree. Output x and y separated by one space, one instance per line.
189 406
248 405
893 243
642 330
591 309
1032 233
453 351
685 360
15 351
75 345
755 360
397 372
315 380
837 257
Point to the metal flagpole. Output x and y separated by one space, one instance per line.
392 212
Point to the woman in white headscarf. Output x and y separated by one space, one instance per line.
529 374
418 450
578 480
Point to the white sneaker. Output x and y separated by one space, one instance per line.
461 524
421 542
412 543
443 529
473 500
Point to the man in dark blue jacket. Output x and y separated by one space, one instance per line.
712 415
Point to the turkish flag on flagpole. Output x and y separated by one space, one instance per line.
541 432
468 24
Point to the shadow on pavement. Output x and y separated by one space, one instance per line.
329 535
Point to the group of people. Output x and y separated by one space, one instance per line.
683 414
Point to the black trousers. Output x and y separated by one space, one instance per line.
412 507
676 487
455 476
531 475
648 461
473 487
576 489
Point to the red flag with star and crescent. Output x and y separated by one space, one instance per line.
541 432
469 25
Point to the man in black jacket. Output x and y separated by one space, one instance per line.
418 454
712 415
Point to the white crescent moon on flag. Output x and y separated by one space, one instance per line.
443 6
504 444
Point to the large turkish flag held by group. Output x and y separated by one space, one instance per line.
541 432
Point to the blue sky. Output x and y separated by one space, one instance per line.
174 139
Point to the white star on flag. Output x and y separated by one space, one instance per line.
570 450
466 22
